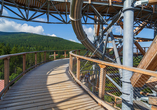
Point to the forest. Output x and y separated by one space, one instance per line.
16 42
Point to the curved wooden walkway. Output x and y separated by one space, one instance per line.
49 86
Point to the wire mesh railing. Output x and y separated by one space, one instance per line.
104 81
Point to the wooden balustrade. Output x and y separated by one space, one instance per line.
6 66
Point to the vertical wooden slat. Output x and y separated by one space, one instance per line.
102 81
24 62
54 55
44 56
65 55
78 68
35 58
6 72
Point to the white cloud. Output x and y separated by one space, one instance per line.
11 26
90 32
118 30
72 40
53 35
41 19
5 12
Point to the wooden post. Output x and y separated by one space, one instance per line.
75 51
78 68
45 56
54 55
24 62
110 2
6 71
79 52
102 81
71 63
36 58
65 54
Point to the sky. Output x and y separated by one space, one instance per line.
56 30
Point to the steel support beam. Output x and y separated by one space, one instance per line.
127 89
101 42
116 52
155 29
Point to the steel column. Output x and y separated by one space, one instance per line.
155 29
101 43
127 89
116 52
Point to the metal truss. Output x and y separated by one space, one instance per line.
57 16
28 13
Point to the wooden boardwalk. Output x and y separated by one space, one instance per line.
49 86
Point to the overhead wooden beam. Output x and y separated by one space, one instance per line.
120 23
148 62
152 2
138 29
139 47
98 28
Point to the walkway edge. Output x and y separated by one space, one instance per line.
91 94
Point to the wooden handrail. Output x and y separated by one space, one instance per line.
17 54
6 66
133 69
102 65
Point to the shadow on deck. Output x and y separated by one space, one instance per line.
48 86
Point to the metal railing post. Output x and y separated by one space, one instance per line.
54 55
24 62
102 81
6 71
78 68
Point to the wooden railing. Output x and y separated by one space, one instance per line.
6 58
103 72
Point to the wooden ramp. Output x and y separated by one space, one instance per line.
49 86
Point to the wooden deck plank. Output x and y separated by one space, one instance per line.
48 87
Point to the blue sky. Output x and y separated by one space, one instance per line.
56 30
